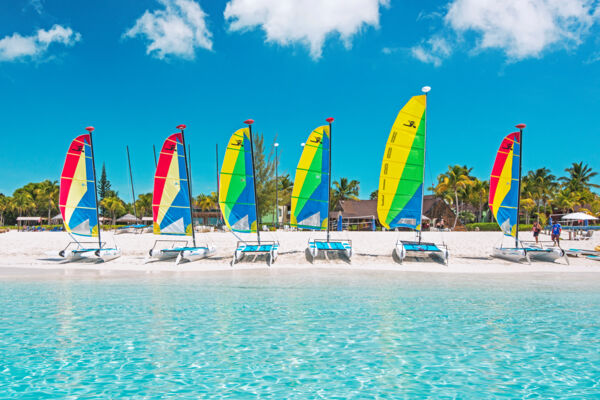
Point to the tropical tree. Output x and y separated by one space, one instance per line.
285 187
374 195
144 205
478 195
264 172
455 181
207 202
528 205
344 190
579 177
541 186
47 192
23 201
566 200
5 205
114 206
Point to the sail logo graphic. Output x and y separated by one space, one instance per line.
316 140
508 147
78 148
411 124
238 143
172 147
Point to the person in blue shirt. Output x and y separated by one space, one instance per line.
556 230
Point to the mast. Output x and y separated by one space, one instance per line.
424 89
187 172
155 163
217 161
189 153
520 127
276 186
249 122
329 120
131 179
90 129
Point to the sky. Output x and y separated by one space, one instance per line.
136 69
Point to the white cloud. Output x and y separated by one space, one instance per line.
520 28
177 30
305 21
432 51
17 47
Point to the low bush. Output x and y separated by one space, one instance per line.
492 226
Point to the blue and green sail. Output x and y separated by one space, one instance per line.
400 196
310 195
236 184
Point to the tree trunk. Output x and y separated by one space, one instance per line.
49 209
455 202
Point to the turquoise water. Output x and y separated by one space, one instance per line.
301 335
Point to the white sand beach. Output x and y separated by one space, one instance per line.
469 253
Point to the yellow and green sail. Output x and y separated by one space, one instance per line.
236 184
310 195
400 198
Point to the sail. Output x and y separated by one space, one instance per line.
77 200
504 184
400 196
310 195
170 200
236 184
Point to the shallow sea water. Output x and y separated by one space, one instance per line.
301 334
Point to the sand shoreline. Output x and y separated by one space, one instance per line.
36 253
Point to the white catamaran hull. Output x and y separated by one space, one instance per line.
102 255
193 254
511 254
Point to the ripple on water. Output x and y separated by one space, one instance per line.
244 337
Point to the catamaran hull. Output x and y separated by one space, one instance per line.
511 254
421 250
549 255
194 254
102 255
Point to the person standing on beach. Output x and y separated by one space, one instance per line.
537 228
556 230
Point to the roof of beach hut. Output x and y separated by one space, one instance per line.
128 218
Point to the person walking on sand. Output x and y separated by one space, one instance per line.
556 230
537 228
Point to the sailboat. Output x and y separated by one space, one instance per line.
78 202
237 196
172 204
505 199
400 196
311 193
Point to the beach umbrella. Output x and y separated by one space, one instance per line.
339 224
578 216
373 224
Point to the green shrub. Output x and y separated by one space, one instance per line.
492 226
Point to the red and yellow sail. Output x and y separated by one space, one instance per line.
504 184
77 200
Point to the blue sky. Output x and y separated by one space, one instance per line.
136 69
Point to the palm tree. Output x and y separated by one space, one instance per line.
114 206
5 205
478 195
455 181
206 202
345 190
144 204
47 192
566 200
23 201
579 177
